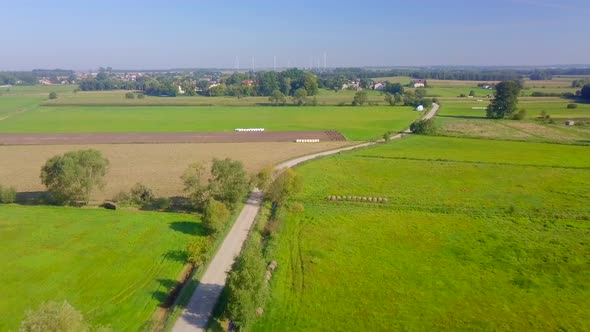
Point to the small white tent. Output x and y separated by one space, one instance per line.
420 108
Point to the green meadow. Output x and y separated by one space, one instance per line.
493 236
356 123
116 267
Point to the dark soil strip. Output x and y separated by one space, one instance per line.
186 137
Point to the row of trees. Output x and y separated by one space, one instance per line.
246 285
31 77
287 82
442 74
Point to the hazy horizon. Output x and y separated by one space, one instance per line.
150 35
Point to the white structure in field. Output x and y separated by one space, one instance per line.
420 108
248 129
419 83
314 140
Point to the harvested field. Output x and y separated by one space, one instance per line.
203 137
158 166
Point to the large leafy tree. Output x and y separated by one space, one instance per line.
505 101
310 83
229 183
585 93
70 178
268 82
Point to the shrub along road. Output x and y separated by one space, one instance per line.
198 311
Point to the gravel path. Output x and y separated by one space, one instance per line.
198 311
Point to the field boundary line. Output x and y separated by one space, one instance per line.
473 162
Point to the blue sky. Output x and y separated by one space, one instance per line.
156 34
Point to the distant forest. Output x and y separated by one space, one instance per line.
455 74
266 82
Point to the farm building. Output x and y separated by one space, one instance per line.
419 83
379 87
570 123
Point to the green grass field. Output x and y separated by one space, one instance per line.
477 241
356 123
116 267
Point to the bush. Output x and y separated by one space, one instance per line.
7 195
264 178
423 127
141 194
286 184
360 98
387 135
130 95
158 204
52 95
196 251
215 217
572 105
140 96
296 208
521 115
462 95
585 92
71 177
194 186
246 287
53 317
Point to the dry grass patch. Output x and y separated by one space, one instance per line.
158 166
481 128
546 132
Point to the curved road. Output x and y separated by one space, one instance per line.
198 311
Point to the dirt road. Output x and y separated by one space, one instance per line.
198 311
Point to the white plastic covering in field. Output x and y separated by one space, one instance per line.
249 129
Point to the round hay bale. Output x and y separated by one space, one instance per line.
384 200
339 198
259 311
348 198
272 266
267 275
370 199
364 199
379 199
